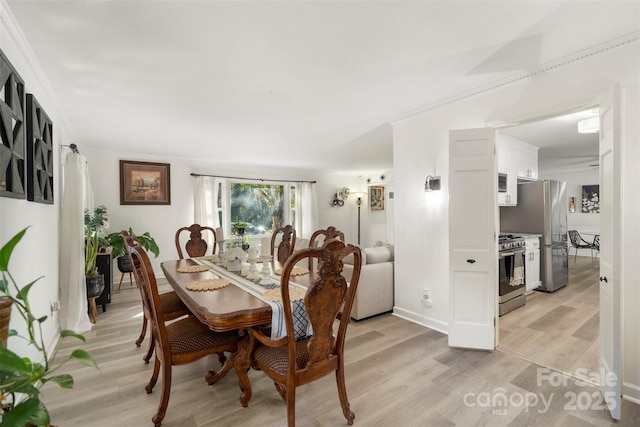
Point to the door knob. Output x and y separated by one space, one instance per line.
604 279
471 261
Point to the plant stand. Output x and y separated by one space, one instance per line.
125 266
93 311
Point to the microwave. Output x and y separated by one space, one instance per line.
502 182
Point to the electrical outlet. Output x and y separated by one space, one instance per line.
55 306
426 298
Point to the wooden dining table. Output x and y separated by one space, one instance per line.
226 309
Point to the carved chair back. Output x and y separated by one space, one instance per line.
315 241
196 246
286 245
291 363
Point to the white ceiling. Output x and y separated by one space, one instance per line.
307 84
562 148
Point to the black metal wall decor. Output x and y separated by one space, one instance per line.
39 153
12 135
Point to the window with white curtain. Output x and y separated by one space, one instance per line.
264 206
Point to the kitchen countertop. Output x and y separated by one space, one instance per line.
525 235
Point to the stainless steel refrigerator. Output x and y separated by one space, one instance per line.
542 209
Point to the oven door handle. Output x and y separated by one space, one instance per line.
506 254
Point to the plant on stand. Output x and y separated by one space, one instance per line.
20 377
119 252
95 224
94 280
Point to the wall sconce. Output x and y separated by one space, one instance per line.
359 199
341 195
432 183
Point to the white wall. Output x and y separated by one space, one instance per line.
162 221
421 224
37 253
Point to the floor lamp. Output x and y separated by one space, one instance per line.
359 198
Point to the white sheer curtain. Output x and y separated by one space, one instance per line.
76 196
205 203
306 209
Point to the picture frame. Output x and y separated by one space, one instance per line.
376 198
145 183
40 159
591 198
13 141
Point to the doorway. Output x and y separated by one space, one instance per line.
560 330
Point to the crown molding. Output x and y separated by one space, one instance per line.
633 37
9 27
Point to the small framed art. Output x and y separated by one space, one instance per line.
376 198
145 183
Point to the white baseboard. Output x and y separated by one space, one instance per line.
631 392
428 322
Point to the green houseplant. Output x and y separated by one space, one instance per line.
117 244
94 224
239 227
20 377
119 252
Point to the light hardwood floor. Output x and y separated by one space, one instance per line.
559 330
397 373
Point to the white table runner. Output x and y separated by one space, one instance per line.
301 324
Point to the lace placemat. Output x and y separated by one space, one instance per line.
295 293
207 284
193 268
295 271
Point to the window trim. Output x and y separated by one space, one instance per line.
290 188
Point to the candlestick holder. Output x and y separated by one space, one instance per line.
252 265
266 270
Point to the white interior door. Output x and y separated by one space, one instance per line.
610 252
472 238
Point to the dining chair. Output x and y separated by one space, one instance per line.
290 363
196 246
330 233
287 236
179 342
578 243
172 307
596 246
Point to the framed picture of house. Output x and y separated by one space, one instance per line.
376 198
590 199
145 183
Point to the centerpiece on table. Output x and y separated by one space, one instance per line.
234 258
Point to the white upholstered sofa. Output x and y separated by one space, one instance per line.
375 288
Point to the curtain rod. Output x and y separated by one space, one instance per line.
250 179
73 148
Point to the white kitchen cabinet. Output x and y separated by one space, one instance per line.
527 159
532 262
519 161
507 164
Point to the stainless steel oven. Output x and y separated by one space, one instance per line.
511 268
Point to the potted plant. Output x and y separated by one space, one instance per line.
20 377
119 252
95 225
239 227
95 281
